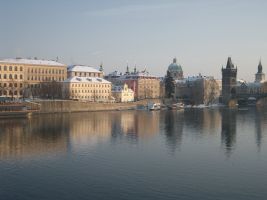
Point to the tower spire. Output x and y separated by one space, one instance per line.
229 63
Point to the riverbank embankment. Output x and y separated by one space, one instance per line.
61 106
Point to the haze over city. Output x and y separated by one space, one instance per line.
201 34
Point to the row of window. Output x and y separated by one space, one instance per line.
45 71
89 97
10 92
39 78
4 85
87 74
11 68
90 85
10 76
90 91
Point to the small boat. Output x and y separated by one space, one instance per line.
155 106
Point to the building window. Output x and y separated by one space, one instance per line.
5 68
10 68
20 76
15 76
10 76
16 68
20 68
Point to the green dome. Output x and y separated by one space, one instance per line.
174 67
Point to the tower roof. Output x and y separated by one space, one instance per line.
260 67
229 63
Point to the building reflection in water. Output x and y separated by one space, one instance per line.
32 137
228 132
260 126
174 122
54 133
202 121
133 125
88 129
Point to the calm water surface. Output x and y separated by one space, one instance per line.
195 154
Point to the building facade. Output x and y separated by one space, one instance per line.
19 76
197 90
142 83
91 89
122 93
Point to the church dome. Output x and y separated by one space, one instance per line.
174 67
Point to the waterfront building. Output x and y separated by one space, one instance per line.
197 90
84 71
176 70
17 76
93 89
122 93
142 83
228 81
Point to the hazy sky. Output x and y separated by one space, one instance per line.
200 33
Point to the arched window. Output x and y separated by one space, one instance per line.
10 76
20 76
5 68
16 68
15 76
20 68
10 68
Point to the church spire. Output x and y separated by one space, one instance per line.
260 67
174 60
127 69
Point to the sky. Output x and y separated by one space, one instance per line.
201 34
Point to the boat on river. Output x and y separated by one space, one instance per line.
155 106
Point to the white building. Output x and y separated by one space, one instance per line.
122 93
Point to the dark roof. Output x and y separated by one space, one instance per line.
229 63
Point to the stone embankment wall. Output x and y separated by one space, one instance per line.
58 106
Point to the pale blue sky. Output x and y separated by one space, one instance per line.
200 33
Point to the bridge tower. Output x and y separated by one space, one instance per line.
228 82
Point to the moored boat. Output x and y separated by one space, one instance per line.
155 106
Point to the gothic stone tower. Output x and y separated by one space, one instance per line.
228 82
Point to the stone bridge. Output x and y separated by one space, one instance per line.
252 98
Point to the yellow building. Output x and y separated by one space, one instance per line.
83 71
87 89
123 93
18 74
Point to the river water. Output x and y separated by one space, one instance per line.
191 154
